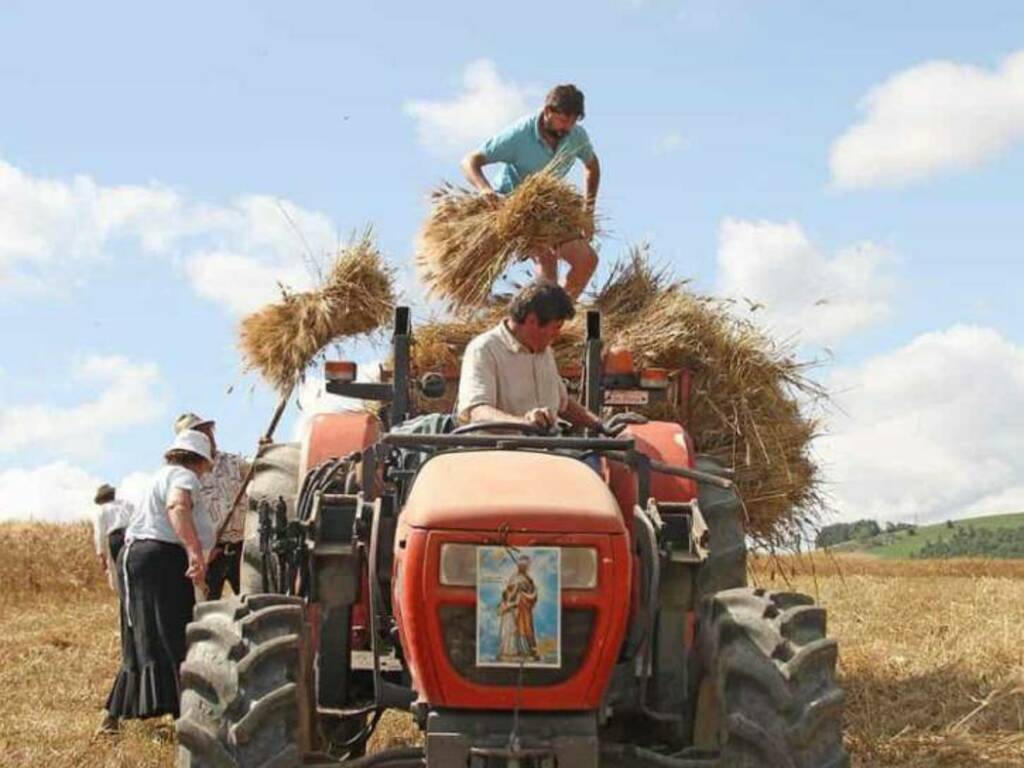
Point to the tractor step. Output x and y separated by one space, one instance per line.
364 660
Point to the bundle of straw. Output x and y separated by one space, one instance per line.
469 241
633 283
356 297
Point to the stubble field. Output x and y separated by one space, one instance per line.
931 656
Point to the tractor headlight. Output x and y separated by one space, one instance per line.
579 568
458 566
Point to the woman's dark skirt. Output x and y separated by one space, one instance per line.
158 600
115 539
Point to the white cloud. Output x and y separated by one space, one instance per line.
934 117
819 297
46 222
931 430
51 231
57 492
241 283
669 143
130 395
485 105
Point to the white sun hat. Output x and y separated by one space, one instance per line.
194 442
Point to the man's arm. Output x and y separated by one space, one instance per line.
592 180
472 166
579 416
540 417
490 413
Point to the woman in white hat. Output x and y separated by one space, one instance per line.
161 565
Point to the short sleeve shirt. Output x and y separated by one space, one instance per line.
219 488
151 521
500 372
111 516
523 151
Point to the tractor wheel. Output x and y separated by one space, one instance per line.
245 699
768 696
276 474
726 564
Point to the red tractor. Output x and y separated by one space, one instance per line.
531 599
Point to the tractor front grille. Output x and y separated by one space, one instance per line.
459 623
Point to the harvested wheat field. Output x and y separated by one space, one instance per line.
932 656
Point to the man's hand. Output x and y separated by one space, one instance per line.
613 426
540 417
492 198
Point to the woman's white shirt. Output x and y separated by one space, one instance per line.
150 519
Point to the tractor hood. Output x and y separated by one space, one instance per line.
523 490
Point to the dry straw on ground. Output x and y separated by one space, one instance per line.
752 405
357 296
929 655
469 240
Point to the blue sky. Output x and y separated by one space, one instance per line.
868 155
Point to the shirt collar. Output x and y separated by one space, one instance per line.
510 340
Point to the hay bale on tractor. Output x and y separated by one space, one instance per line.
751 403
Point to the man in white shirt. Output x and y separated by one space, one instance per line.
108 524
509 373
219 489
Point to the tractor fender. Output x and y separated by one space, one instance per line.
663 441
334 435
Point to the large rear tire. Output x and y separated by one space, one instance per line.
769 694
722 508
245 685
276 474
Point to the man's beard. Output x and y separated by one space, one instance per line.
551 131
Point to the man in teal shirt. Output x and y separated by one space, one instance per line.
550 139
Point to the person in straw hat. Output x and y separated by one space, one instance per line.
161 566
549 140
219 489
509 373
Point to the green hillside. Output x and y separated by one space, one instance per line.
994 536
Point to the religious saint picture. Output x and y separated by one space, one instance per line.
518 600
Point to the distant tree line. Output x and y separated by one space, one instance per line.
861 530
968 541
964 539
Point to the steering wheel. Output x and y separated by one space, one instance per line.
515 426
